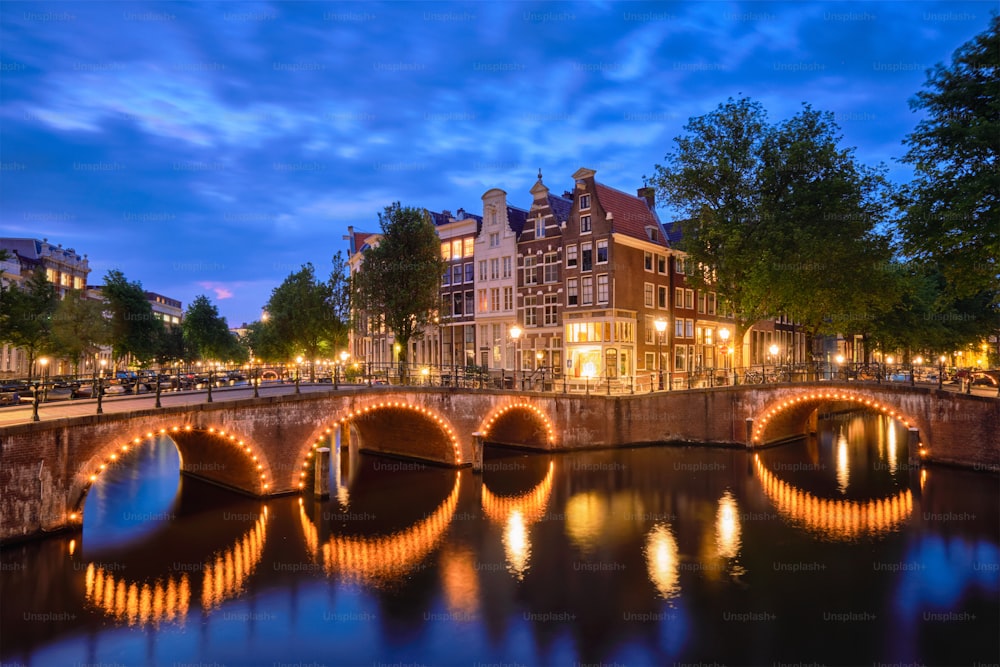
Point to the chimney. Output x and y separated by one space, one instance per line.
649 194
460 214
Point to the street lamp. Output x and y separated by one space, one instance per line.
298 372
774 351
44 361
515 333
661 326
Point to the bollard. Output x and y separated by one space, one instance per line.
100 396
158 392
477 452
321 473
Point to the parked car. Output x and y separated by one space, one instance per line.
986 378
9 397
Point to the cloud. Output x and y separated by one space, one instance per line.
221 290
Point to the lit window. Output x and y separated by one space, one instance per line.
469 246
446 251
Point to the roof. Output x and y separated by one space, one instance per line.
361 239
516 219
27 248
631 214
674 232
561 207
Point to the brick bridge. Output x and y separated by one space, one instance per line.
265 446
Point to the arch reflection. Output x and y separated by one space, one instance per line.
169 598
383 558
834 519
516 514
662 559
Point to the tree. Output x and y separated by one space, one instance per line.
950 208
301 314
135 330
206 334
773 212
26 315
399 281
79 328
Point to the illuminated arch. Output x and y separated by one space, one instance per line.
169 598
778 407
385 557
442 424
833 518
116 453
491 420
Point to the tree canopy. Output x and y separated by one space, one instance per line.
26 314
206 333
135 330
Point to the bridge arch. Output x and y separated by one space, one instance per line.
214 454
519 423
785 416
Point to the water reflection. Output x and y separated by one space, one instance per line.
661 561
516 514
585 517
843 464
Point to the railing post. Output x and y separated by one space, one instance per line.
158 391
100 395
34 405
255 381
209 399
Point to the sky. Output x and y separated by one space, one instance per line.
214 148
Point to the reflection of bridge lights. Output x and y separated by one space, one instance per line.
585 515
662 560
170 599
891 437
783 405
516 546
382 558
843 463
727 526
114 457
523 405
834 518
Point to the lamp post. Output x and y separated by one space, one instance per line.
539 357
253 378
298 372
44 361
661 326
840 360
724 349
515 333
941 372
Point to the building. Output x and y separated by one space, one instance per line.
167 310
457 314
496 282
366 341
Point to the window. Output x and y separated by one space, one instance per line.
680 357
508 298
530 315
678 265
446 279
539 227
446 251
572 292
587 287
456 274
678 328
678 297
647 261
584 202
530 270
470 272
482 301
469 247
584 224
506 266
649 330
470 303
588 257
650 359
493 216
494 269
571 256
647 295
456 309
689 328
602 288
494 238
551 267
661 264
482 269
602 251
550 309
456 249
495 299
711 303
661 296
689 299
701 302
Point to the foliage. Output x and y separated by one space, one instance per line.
79 328
206 333
135 330
26 315
950 209
399 280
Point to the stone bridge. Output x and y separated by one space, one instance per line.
265 446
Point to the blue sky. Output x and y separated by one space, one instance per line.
215 147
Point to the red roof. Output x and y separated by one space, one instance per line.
631 214
360 238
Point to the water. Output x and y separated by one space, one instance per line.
832 551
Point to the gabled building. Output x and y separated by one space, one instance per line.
496 283
367 342
457 314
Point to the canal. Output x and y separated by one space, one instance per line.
833 550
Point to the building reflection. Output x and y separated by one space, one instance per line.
169 598
727 527
516 514
662 560
835 519
382 558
